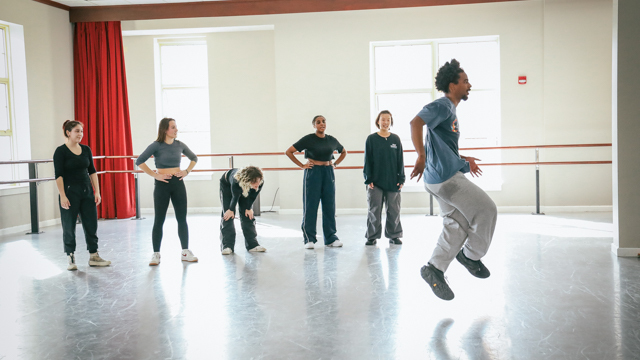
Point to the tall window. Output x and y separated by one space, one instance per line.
403 81
14 116
183 94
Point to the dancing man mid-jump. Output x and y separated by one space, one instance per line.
469 214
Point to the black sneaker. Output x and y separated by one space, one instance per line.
395 241
475 267
437 282
371 242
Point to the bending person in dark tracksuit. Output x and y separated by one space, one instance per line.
77 182
319 182
239 187
384 176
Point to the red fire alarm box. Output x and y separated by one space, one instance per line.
522 80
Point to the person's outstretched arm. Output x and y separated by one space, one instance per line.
416 137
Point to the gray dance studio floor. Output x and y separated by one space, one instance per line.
556 292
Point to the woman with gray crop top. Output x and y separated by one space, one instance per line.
167 152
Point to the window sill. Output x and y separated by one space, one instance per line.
14 190
197 177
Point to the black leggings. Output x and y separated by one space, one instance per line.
175 191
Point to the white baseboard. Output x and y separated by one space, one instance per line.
501 209
362 211
27 227
205 210
555 209
625 252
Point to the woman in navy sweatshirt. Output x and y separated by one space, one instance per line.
384 176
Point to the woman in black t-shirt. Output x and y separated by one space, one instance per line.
319 182
79 189
384 177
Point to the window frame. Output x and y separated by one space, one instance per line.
412 186
160 87
17 106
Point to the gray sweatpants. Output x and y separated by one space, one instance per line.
469 219
376 197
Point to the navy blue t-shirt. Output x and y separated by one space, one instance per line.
318 148
441 141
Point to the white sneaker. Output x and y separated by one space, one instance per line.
96 260
187 255
226 251
155 259
309 245
72 262
336 243
258 249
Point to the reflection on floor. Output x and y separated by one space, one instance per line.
556 292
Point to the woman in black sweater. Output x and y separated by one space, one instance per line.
239 187
79 190
319 182
384 176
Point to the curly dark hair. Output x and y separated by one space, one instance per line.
447 74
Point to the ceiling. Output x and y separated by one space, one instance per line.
76 3
123 10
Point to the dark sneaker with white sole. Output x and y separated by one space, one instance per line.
371 242
475 267
437 282
395 241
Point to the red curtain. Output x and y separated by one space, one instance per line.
101 104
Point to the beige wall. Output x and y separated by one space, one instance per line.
626 194
321 65
49 56
267 85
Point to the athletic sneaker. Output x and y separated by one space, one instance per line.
155 259
371 242
395 241
226 251
258 249
72 262
187 255
96 260
437 282
309 245
336 243
475 267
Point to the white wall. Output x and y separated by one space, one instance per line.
322 67
267 85
49 57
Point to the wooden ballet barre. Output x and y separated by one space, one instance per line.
361 167
406 151
99 157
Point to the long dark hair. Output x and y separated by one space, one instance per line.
162 129
68 125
